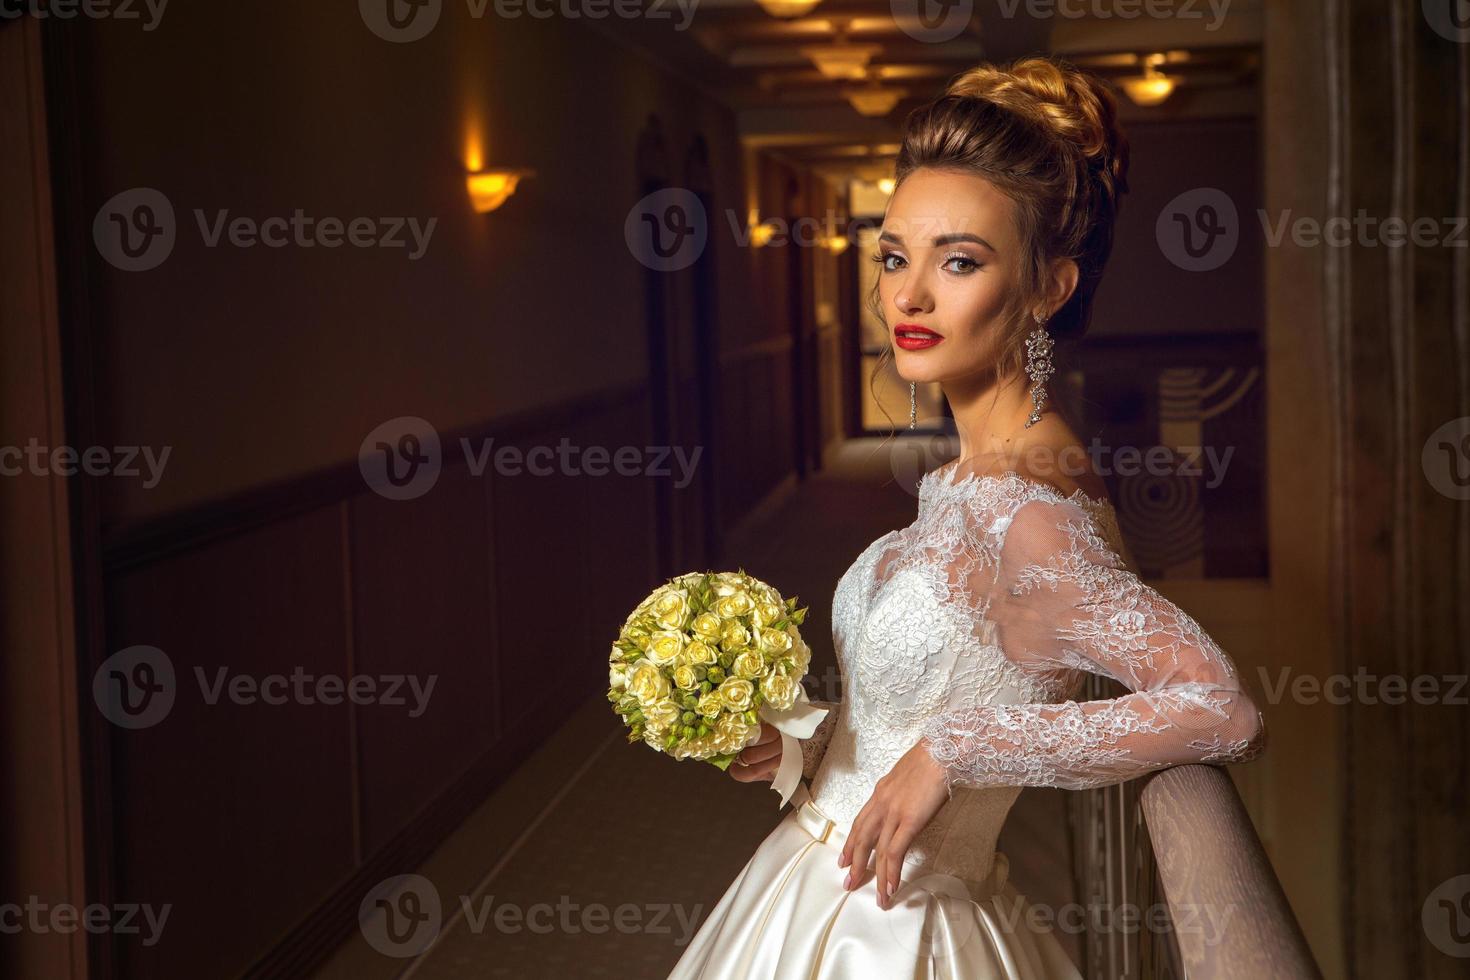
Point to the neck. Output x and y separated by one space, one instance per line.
990 415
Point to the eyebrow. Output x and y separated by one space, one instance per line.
940 240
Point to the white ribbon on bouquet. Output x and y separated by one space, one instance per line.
796 722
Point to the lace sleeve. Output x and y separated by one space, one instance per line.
813 748
1063 601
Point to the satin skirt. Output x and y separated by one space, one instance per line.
786 916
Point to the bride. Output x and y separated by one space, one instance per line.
963 637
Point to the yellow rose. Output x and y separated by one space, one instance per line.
736 693
734 636
748 665
775 641
671 609
779 689
732 733
699 652
647 683
661 715
665 646
710 705
726 583
707 625
733 605
767 612
685 677
617 676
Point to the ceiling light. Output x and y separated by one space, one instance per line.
788 8
841 60
875 99
1153 86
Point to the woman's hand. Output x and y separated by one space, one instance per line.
902 804
759 761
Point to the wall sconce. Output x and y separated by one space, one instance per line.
489 189
761 234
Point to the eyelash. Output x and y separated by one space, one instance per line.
881 257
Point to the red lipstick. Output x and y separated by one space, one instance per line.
911 336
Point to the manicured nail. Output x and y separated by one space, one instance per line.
847 882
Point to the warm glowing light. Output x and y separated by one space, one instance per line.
874 100
489 189
761 234
837 244
887 184
788 8
841 60
1153 86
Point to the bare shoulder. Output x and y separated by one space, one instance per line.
1066 468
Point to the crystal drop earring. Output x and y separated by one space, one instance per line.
913 404
1038 366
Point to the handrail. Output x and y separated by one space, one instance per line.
1231 919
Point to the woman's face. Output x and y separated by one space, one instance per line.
950 258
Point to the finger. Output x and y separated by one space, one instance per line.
898 849
862 850
885 838
760 752
769 733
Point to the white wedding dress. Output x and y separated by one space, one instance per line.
971 627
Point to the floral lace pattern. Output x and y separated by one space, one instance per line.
971 628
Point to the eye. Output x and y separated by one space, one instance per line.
966 263
883 257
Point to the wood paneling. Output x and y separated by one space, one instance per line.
238 814
422 606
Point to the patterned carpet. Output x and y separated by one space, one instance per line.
611 874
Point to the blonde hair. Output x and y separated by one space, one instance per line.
1046 135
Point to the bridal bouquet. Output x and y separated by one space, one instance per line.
707 657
